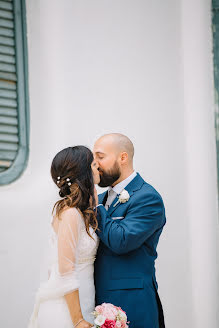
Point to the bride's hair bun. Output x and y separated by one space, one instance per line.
64 185
64 191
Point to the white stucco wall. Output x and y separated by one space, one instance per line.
200 160
132 67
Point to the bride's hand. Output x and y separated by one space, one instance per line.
84 324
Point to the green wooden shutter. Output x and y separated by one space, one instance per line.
215 25
14 112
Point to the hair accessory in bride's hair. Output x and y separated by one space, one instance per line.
68 180
58 180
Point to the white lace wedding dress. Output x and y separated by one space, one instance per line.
71 267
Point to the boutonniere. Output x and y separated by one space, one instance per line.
123 197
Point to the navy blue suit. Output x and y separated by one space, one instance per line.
124 267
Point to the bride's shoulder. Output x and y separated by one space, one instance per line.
71 214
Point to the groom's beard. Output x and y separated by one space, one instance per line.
107 178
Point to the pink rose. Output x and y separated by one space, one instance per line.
118 324
99 309
109 311
109 324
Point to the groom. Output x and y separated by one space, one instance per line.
131 217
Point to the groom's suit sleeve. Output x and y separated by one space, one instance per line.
145 215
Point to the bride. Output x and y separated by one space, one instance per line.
67 299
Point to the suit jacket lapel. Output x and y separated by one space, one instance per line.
112 206
134 185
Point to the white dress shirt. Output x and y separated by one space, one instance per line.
117 189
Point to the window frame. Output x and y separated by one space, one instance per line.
20 162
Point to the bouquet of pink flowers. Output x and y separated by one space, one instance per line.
109 316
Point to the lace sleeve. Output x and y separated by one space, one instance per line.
64 280
68 237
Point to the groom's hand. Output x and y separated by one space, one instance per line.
96 196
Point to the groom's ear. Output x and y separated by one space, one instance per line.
124 158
